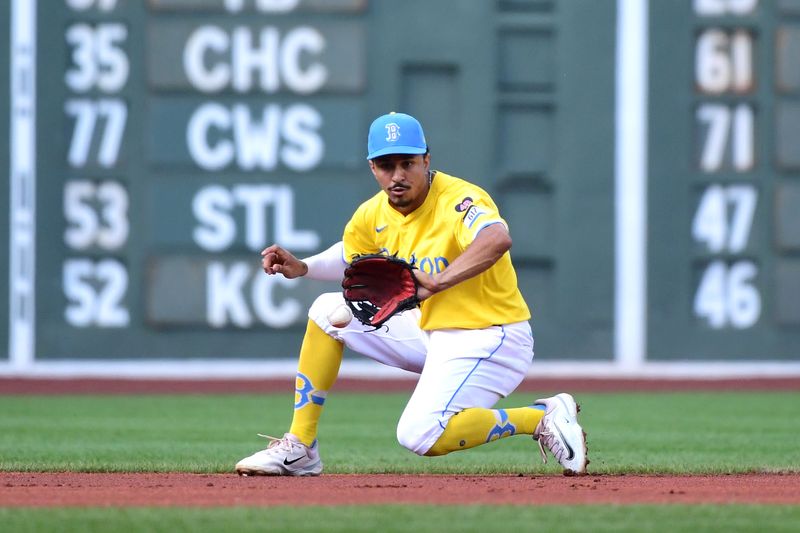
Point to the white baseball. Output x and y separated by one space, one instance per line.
340 316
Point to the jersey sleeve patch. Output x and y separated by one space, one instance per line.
464 204
472 216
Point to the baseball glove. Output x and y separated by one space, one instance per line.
378 286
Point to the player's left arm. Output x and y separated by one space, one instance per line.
486 249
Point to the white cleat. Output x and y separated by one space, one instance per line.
559 432
282 457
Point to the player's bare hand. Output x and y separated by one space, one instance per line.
276 260
428 286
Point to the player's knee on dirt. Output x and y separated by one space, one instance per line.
418 433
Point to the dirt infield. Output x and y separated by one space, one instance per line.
196 490
202 490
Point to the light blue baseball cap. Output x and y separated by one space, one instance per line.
395 133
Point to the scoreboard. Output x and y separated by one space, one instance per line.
175 140
724 193
154 147
172 140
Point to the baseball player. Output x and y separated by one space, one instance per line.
470 340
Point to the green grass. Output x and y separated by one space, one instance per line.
648 433
420 519
658 432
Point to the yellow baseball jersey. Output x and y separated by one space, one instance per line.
431 237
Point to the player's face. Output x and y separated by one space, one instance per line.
404 179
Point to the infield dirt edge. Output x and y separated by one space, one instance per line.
69 489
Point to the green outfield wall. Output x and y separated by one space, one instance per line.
172 140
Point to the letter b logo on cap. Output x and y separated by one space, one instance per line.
392 132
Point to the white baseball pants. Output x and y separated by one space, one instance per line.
459 368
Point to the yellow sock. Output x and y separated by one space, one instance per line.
317 368
475 426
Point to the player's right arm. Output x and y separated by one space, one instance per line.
327 265
276 260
